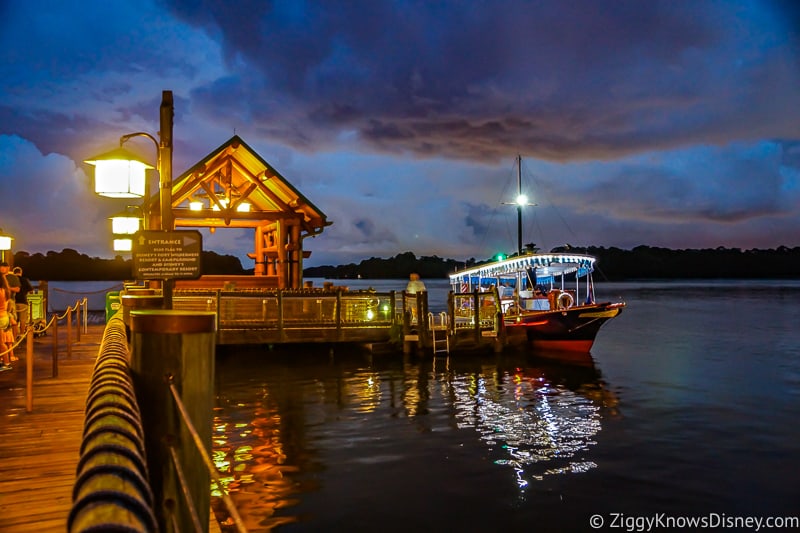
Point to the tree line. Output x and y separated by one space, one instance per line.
642 262
70 265
613 264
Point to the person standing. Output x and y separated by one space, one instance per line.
12 282
21 299
415 284
5 326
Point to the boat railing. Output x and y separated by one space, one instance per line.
466 304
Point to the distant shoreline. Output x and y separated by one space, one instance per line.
613 264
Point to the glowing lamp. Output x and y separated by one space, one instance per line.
125 223
123 245
5 241
195 205
243 207
119 174
522 200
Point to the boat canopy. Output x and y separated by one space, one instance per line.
545 266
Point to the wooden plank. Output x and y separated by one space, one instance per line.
40 450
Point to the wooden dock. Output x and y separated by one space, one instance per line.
39 450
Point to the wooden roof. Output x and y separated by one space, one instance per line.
234 175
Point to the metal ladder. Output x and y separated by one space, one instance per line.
439 332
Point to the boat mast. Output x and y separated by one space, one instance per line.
519 205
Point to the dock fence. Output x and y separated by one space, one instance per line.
41 328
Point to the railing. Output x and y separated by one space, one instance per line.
477 311
208 463
111 491
38 329
285 315
172 365
129 479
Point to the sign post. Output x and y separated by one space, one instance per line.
167 255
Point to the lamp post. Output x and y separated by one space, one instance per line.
5 244
520 201
120 174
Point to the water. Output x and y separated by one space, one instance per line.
688 406
64 294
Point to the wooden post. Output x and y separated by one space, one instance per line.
29 370
55 345
338 314
132 302
78 321
476 309
259 252
296 256
407 344
280 243
499 330
451 311
178 347
422 319
281 334
69 333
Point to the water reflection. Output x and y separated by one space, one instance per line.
535 422
289 426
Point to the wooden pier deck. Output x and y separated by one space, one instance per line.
39 450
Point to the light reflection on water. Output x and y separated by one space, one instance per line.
543 429
288 425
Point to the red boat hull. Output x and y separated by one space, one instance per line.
563 330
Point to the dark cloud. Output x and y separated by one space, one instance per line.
645 122
480 80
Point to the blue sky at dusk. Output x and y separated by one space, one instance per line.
664 123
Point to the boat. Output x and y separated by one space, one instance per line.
546 300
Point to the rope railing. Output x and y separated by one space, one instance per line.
32 330
209 464
111 288
23 336
111 490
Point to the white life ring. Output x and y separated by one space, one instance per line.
565 300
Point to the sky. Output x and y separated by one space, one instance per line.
660 123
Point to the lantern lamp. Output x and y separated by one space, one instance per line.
126 223
123 245
5 241
119 174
